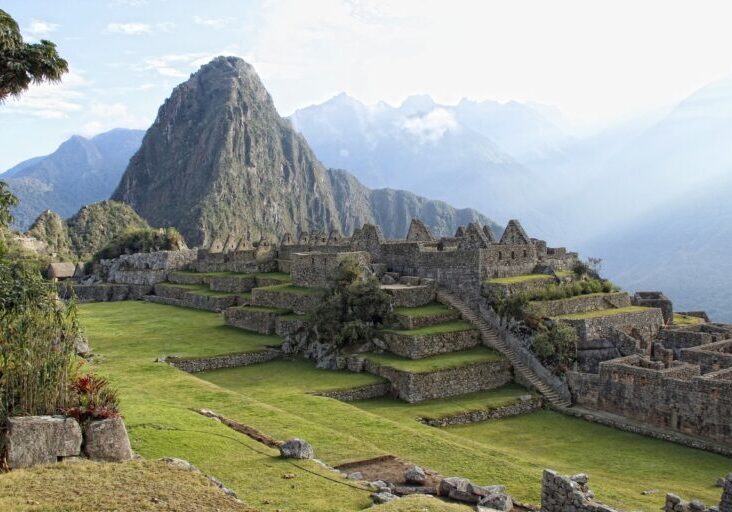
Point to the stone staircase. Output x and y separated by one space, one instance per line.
491 337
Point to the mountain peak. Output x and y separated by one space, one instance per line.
417 104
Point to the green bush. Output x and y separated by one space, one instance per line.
142 240
556 347
353 310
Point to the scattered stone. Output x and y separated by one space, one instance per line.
107 440
383 497
720 482
501 502
31 440
387 279
649 492
355 476
180 464
297 449
288 476
81 345
415 475
379 485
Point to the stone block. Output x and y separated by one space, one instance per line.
31 440
107 440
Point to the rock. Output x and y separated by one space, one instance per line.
581 479
81 345
501 502
180 464
415 475
221 486
649 492
31 440
486 490
355 476
387 279
720 482
453 483
383 497
297 449
380 485
107 440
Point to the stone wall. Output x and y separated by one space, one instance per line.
710 357
319 269
104 292
655 300
415 322
362 393
146 268
273 297
260 259
261 320
418 347
678 338
675 398
417 387
203 364
411 296
643 324
232 284
495 413
568 494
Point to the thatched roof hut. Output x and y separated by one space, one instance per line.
61 270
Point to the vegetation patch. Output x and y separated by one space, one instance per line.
603 313
520 279
455 326
438 362
680 319
199 289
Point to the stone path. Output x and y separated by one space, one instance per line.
491 337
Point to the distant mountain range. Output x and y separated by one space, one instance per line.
81 171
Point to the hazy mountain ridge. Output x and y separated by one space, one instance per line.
241 169
81 171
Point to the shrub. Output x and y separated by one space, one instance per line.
353 310
556 347
92 398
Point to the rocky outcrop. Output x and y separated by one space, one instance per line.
296 449
107 440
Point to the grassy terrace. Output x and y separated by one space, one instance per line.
454 326
272 397
265 309
603 313
438 362
278 276
520 279
436 409
199 289
432 309
291 288
680 319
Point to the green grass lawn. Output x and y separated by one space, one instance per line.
438 362
156 402
602 312
291 288
520 279
433 309
453 326
564 273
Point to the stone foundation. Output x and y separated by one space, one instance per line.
568 494
410 296
409 322
644 324
232 284
579 304
362 393
106 292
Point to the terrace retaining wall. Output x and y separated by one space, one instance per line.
362 393
203 364
496 413
420 346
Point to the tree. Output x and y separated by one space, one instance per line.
23 64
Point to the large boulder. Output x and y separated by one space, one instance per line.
297 449
415 476
107 440
31 440
501 502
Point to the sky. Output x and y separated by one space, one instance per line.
598 62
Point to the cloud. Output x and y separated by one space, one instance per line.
38 29
432 126
214 22
127 3
106 116
179 65
50 101
137 29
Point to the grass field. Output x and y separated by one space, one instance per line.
520 279
291 288
199 289
274 398
680 319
